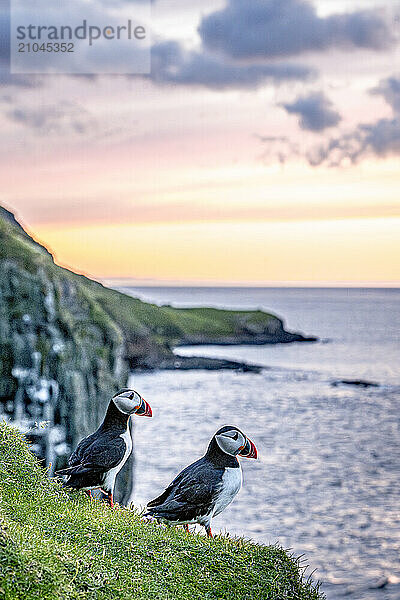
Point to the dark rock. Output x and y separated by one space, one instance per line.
270 335
186 363
379 584
358 382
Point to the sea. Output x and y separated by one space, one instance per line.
327 481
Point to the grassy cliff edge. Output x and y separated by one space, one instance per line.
55 545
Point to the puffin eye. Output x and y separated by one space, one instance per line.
231 435
131 397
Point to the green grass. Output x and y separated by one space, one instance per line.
175 324
56 545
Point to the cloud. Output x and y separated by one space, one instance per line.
316 112
282 28
381 138
278 148
59 118
390 89
18 81
171 63
69 211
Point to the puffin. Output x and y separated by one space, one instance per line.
205 488
100 456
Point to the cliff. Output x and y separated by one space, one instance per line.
67 343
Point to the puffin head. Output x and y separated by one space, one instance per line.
233 441
130 402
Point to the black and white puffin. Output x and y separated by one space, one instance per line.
100 456
206 487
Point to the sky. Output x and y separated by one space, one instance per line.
263 148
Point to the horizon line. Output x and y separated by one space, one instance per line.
132 282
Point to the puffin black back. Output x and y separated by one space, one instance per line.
99 457
206 487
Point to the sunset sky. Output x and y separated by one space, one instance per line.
263 148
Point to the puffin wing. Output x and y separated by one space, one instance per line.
190 495
101 455
78 455
168 491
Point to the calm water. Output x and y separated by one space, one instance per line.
327 482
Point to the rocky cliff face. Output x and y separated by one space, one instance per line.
59 361
67 343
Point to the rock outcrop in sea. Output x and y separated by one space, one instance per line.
67 343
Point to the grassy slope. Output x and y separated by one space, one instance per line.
174 324
163 325
60 546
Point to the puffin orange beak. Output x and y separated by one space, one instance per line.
249 450
145 409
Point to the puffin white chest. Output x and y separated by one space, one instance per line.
231 484
109 480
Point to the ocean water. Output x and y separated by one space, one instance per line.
326 483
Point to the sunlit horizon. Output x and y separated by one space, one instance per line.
171 254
